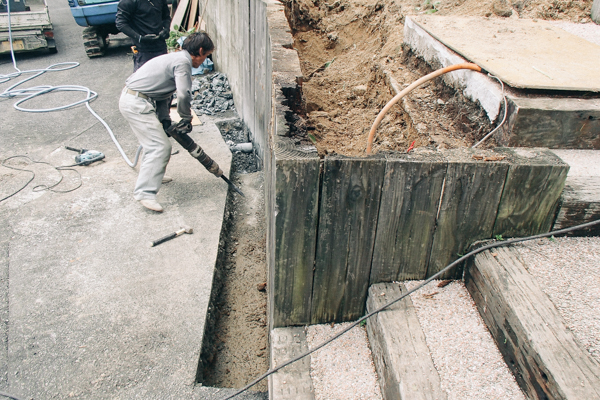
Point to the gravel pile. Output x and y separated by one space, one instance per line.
342 370
568 271
463 351
212 94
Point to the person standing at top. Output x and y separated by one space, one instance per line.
147 23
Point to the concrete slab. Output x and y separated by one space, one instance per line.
531 54
87 308
476 86
293 381
550 119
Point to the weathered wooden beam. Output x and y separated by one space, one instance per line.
565 123
580 200
296 207
409 202
580 203
470 198
543 354
350 196
535 180
400 353
292 382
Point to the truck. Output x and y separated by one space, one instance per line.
30 26
98 17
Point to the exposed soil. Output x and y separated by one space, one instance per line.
236 347
346 45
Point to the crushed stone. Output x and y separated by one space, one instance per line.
343 369
463 351
212 94
568 271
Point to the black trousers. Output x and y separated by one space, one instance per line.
141 57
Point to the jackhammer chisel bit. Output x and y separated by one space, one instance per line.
179 132
232 185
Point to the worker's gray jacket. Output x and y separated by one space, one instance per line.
160 77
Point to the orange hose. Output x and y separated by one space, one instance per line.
414 85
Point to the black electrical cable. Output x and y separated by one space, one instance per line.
10 396
447 268
39 188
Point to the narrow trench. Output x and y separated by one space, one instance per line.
235 348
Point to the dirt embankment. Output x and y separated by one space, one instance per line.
345 46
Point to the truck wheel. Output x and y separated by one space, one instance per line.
93 42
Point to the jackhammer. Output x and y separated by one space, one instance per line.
179 132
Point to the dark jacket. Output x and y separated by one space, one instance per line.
137 18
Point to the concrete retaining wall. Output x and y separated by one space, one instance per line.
239 30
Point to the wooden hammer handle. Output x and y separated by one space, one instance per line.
168 237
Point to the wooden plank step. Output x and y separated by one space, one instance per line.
543 354
292 382
580 200
400 353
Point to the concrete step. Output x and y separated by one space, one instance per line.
543 354
292 382
552 118
210 393
580 200
400 352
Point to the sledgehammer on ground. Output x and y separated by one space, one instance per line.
171 236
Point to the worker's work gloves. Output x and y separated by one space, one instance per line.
181 127
148 38
164 34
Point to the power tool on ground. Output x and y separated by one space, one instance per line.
179 131
86 157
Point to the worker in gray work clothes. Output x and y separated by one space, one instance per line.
147 23
145 105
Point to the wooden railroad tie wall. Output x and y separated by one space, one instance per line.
296 198
382 220
397 217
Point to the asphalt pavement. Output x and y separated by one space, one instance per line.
87 308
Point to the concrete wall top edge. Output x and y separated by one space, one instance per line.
474 85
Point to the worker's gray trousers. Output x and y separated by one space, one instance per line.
141 115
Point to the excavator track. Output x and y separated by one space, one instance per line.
93 42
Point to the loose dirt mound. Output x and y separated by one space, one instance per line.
346 46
